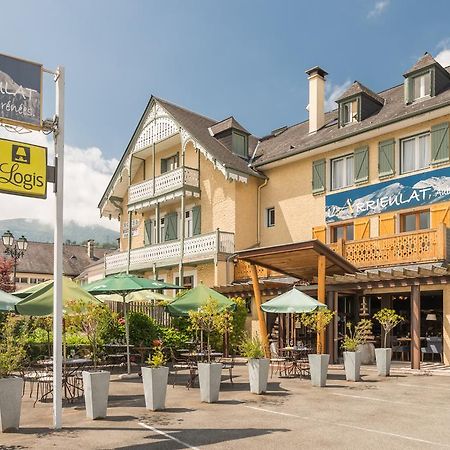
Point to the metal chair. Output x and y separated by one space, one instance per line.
276 360
433 347
228 364
182 364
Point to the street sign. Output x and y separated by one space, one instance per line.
20 92
23 169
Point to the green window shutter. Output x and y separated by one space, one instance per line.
163 165
196 220
409 89
439 143
361 164
318 176
386 158
148 231
171 227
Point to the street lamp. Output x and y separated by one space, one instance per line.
15 249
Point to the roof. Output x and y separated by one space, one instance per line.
359 88
424 61
38 258
297 139
227 124
298 259
198 126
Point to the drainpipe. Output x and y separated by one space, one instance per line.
258 218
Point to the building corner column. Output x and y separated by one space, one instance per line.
415 327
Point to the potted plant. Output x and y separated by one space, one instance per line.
258 365
87 318
318 363
208 319
388 319
154 378
12 355
352 340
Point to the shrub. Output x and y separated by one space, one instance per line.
157 358
388 319
172 338
252 348
12 348
358 336
143 329
317 321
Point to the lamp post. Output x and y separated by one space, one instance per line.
14 248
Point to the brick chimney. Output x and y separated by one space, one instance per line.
316 106
90 248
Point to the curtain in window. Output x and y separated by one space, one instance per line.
408 159
338 173
424 152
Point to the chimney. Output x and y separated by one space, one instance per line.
316 106
90 248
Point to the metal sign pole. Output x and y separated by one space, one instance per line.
58 251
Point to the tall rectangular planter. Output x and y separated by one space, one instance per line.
318 366
154 380
352 365
258 373
96 390
383 357
209 376
10 403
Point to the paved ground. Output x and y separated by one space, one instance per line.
405 411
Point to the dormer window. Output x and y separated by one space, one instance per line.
422 85
239 144
347 115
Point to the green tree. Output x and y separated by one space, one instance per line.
12 348
317 321
388 319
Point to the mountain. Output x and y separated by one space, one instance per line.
34 230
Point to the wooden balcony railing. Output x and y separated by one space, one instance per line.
404 248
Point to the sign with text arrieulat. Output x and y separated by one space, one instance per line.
20 92
420 189
23 169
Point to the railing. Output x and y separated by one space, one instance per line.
242 271
198 248
167 182
403 248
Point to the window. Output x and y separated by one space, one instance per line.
415 153
188 281
422 85
188 224
239 144
347 113
161 229
418 220
342 172
270 217
345 231
168 164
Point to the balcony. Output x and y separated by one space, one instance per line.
423 246
153 190
205 247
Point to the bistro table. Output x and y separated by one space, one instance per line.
193 358
297 359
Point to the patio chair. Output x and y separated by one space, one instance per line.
276 360
182 364
402 349
228 364
433 347
44 382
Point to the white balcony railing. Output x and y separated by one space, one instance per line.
167 182
198 248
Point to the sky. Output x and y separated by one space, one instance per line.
245 58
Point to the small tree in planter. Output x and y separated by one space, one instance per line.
12 355
154 378
87 318
258 365
356 336
318 321
208 319
388 319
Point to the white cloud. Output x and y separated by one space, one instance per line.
443 57
334 91
86 175
378 8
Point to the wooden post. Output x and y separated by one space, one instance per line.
415 327
330 330
261 319
321 273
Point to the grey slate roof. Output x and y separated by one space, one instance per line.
425 61
296 139
39 258
359 88
226 124
198 126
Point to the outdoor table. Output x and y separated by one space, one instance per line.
298 365
195 358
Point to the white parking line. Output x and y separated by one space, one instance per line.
355 427
424 386
144 425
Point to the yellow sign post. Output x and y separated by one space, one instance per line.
23 169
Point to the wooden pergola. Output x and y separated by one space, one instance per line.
306 261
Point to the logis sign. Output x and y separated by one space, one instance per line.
23 169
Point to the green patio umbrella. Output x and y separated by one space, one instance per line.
7 302
123 284
25 292
137 296
40 302
293 301
195 298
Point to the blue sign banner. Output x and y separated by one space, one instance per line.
407 192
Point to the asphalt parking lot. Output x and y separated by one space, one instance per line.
404 411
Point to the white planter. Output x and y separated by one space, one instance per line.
96 389
258 373
367 351
352 364
209 376
154 380
383 357
318 366
10 403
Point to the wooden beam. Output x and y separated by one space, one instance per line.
321 296
415 327
261 319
